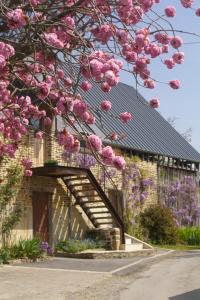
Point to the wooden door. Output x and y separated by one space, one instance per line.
41 215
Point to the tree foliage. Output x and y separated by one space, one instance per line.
51 53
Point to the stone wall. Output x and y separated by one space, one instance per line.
68 220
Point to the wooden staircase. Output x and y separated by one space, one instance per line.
94 202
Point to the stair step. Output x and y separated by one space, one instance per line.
98 209
132 247
88 202
99 213
75 179
87 196
97 206
81 184
83 191
101 218
103 223
93 205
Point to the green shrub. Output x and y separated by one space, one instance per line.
51 162
189 235
75 246
26 249
4 256
158 221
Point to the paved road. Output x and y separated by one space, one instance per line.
172 277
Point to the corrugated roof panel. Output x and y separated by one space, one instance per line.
147 132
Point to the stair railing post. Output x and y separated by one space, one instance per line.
84 156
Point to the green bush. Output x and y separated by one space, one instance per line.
75 246
26 249
189 235
158 221
51 162
4 256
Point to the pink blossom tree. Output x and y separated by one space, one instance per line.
98 39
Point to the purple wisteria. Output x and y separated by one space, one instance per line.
136 188
182 197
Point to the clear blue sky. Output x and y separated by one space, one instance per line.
184 104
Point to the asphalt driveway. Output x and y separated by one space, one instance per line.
175 276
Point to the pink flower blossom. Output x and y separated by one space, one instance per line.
34 3
176 42
80 107
68 82
2 62
111 78
187 3
174 84
106 105
95 142
60 74
125 117
44 89
105 87
107 155
197 12
39 135
6 50
149 83
162 38
69 21
119 163
91 120
114 136
27 163
102 33
170 11
96 67
47 122
16 18
86 86
169 63
53 40
178 57
76 147
28 173
154 103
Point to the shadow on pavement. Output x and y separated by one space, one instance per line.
193 295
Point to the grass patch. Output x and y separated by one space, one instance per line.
189 235
178 247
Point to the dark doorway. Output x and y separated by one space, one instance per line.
40 202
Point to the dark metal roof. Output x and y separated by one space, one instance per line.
147 132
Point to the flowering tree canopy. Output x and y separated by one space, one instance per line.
99 38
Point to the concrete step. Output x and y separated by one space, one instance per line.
131 247
128 241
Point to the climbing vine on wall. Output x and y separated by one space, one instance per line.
181 195
10 212
137 185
